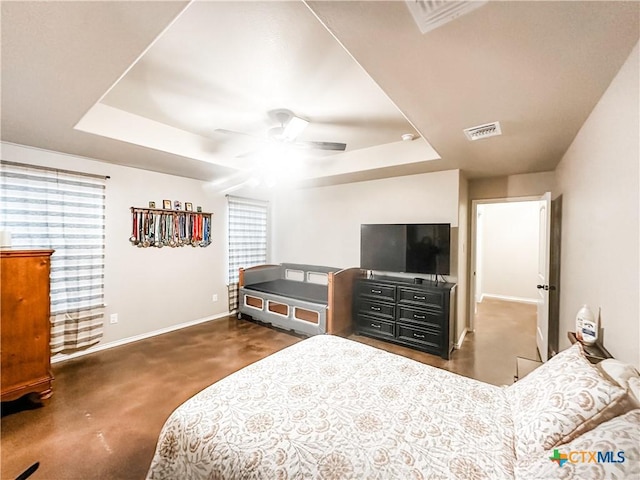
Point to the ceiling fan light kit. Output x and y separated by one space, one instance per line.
289 128
294 127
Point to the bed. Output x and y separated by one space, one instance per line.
308 299
332 408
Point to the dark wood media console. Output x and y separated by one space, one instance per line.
416 315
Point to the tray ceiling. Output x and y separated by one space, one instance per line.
147 84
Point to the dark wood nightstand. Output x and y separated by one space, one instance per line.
595 353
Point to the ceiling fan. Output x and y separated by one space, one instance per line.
287 131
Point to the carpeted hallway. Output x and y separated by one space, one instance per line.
107 409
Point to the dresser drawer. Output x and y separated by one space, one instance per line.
419 336
378 291
375 326
433 300
378 309
421 317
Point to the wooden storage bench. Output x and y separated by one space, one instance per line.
308 299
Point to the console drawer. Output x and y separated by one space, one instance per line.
378 309
419 336
421 317
377 290
433 300
375 326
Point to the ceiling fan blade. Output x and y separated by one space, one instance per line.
249 154
336 146
224 131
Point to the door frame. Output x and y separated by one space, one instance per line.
471 280
555 255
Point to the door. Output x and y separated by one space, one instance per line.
544 241
478 260
554 276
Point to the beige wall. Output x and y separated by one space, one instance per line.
322 225
524 185
463 260
149 288
598 179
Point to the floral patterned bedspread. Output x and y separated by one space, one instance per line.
331 408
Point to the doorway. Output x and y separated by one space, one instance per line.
505 267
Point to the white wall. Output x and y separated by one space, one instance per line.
508 254
598 179
149 288
322 225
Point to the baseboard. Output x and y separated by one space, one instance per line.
61 357
458 344
509 298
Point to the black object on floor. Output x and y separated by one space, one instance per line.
28 472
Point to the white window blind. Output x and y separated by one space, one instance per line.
247 239
63 211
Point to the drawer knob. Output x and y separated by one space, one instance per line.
421 317
376 291
417 335
375 325
377 309
417 297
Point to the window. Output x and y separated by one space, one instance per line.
64 211
247 239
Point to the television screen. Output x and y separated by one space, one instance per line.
409 248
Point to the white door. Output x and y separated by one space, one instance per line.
542 330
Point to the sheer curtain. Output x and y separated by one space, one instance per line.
247 238
63 211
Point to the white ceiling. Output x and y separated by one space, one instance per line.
147 84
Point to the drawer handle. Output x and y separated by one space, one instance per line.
377 309
375 325
376 291
417 335
416 297
421 317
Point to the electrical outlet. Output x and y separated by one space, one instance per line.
113 318
214 297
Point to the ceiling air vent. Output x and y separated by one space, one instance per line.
430 14
483 131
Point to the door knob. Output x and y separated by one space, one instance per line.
542 287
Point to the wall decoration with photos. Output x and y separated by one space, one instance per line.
155 227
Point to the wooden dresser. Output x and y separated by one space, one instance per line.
25 328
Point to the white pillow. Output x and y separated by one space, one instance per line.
620 434
634 391
559 401
624 375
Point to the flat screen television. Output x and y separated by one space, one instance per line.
408 247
